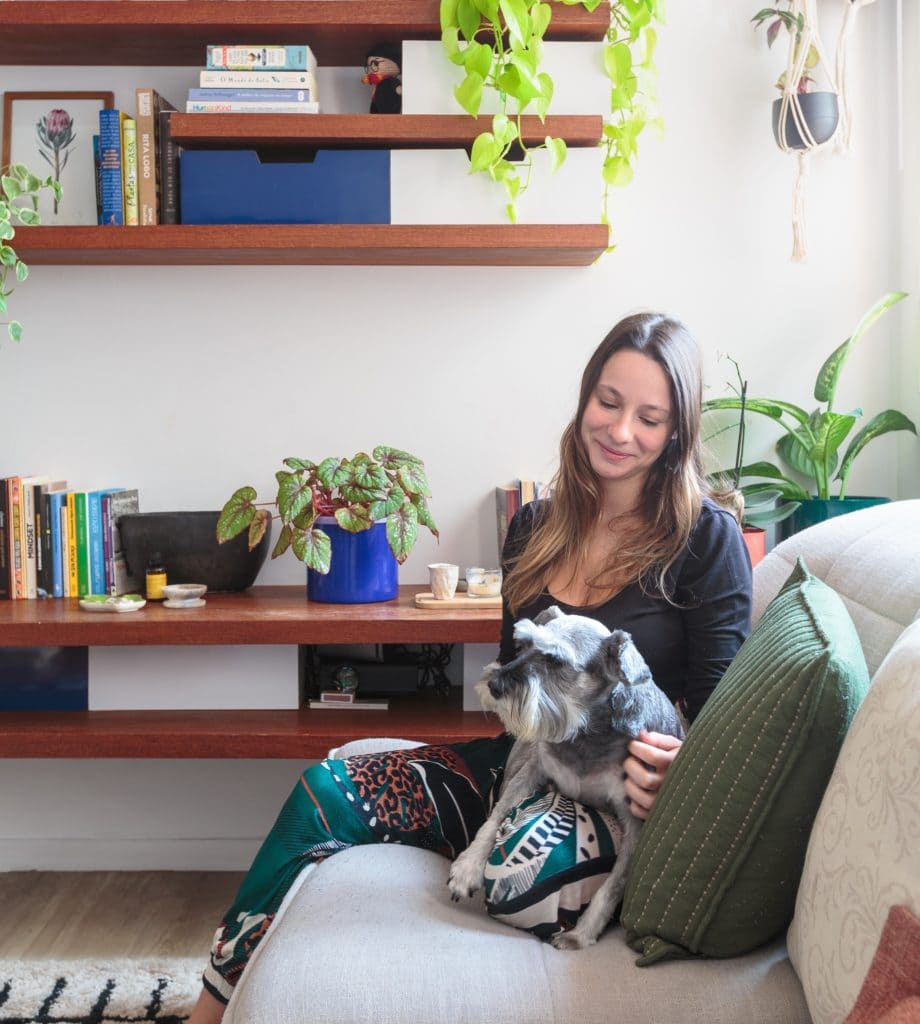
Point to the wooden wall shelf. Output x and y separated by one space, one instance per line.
166 32
353 131
551 245
260 615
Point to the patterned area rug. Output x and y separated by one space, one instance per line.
98 992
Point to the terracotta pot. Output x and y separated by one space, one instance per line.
756 540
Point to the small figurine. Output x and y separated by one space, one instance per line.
382 73
345 680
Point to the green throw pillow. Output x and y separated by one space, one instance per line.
719 860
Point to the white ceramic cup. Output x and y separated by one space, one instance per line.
443 578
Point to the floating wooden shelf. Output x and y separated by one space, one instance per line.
551 245
167 32
426 717
381 131
259 615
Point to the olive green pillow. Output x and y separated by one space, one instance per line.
719 859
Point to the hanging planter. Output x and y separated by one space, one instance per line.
818 112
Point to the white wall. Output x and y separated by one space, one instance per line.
189 382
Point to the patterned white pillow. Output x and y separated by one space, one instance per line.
864 853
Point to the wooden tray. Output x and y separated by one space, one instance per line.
427 600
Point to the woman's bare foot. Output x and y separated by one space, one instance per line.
208 1010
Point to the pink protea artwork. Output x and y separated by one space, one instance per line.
55 134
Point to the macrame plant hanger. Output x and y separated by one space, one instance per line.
853 7
790 113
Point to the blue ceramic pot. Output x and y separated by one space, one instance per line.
363 568
818 509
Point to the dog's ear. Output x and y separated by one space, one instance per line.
548 614
624 663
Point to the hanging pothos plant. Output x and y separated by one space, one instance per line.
19 190
499 45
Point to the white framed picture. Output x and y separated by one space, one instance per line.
52 134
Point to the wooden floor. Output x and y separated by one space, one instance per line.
101 914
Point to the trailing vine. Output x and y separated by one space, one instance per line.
499 45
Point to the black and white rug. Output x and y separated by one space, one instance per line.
119 991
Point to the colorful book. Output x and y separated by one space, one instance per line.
149 105
44 527
249 107
115 504
4 546
507 502
110 166
254 95
73 574
97 177
249 57
81 536
95 534
169 171
129 169
17 589
57 517
260 79
30 533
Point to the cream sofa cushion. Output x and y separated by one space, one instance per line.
863 856
871 558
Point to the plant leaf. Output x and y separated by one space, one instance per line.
413 480
313 548
516 19
424 514
260 523
884 423
237 514
325 472
469 18
294 495
283 542
14 329
557 151
402 530
468 93
355 519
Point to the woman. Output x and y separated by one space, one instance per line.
628 537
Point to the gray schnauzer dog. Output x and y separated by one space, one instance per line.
573 698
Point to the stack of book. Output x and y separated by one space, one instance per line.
510 497
56 542
256 80
137 164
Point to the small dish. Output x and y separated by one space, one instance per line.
122 603
191 602
483 582
184 591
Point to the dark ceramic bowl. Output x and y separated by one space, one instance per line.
190 551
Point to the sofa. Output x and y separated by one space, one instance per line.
372 935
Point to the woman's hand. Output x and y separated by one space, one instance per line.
650 757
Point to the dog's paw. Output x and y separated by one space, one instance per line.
465 878
573 940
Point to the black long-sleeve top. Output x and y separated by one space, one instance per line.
688 644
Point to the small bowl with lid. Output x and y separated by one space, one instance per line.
482 582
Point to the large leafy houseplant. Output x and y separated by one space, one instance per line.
389 486
499 45
811 442
19 192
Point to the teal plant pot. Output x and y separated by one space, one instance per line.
817 510
363 569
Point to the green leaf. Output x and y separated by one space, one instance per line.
424 513
7 256
767 517
478 59
15 330
261 522
618 63
557 151
313 548
237 514
485 152
504 130
884 423
325 472
828 375
617 171
10 187
283 542
393 458
540 17
451 44
301 465
413 480
488 9
795 449
294 495
469 18
448 15
516 19
22 271
355 519
787 488
764 407
402 530
468 93
29 217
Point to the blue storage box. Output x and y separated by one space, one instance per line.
339 186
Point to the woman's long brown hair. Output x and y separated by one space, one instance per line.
671 498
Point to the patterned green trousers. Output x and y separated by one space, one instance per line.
550 856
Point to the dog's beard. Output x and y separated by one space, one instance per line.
529 712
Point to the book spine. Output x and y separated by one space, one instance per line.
146 157
55 505
107 549
97 178
129 170
43 538
81 532
96 547
260 79
28 525
4 546
244 58
110 166
253 95
122 503
68 553
169 171
18 548
249 107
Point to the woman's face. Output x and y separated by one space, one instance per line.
628 421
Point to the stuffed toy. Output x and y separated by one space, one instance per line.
382 73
